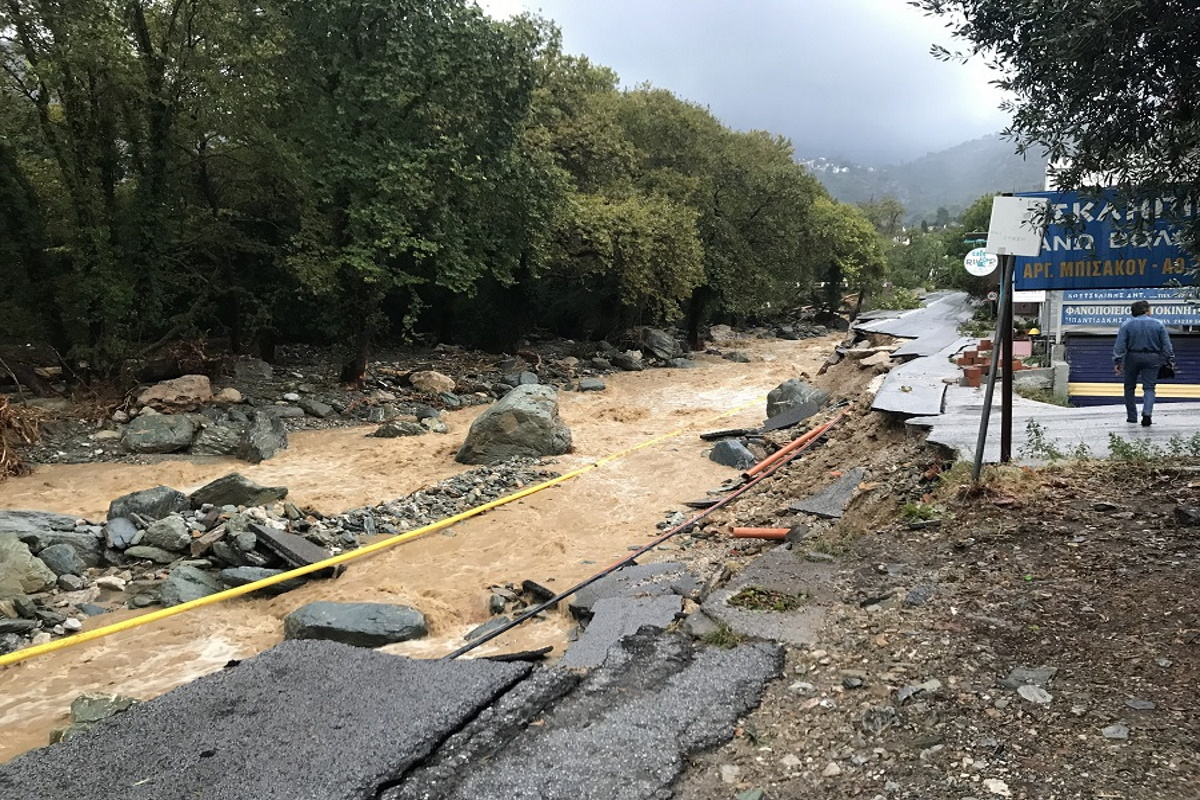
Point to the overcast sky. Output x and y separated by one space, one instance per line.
842 78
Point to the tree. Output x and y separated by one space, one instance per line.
1107 87
850 252
402 122
887 215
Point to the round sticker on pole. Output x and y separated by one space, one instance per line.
979 262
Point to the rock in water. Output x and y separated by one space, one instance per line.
236 490
732 453
187 393
524 423
398 428
149 504
21 573
264 437
660 344
160 433
359 624
431 382
791 393
186 583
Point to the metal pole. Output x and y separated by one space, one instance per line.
1006 393
1005 299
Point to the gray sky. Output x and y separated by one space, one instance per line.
841 78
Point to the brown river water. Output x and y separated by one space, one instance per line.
557 537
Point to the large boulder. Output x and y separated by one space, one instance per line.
62 559
264 437
359 624
88 543
169 534
149 504
660 344
732 453
159 433
237 490
792 393
524 423
21 573
187 393
186 583
120 533
28 522
217 440
431 382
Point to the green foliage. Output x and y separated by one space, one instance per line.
1060 63
898 299
1139 450
1040 395
919 512
1040 447
723 637
344 168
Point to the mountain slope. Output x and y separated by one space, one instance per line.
950 179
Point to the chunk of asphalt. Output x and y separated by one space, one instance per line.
831 502
628 731
614 618
484 736
306 720
781 571
637 580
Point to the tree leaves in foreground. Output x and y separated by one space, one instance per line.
1107 87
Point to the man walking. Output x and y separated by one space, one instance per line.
1142 347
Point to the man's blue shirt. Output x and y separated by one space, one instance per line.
1143 334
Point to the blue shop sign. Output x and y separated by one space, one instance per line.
1110 307
1092 243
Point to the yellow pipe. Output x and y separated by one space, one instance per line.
237 591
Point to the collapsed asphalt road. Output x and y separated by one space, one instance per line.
325 721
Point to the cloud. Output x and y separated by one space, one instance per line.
841 78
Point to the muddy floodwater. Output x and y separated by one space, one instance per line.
556 537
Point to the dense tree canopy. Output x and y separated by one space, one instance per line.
1109 88
336 170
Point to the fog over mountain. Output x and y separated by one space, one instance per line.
951 179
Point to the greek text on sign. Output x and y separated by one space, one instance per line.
1092 244
980 262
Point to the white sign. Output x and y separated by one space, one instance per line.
1017 226
980 262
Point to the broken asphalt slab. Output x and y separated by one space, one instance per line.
613 619
627 731
306 720
783 571
831 502
637 580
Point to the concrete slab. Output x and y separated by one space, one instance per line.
831 501
614 618
305 720
637 580
1066 429
917 387
779 570
627 732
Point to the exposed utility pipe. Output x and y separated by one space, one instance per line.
761 533
782 452
810 439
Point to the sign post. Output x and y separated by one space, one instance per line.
1016 229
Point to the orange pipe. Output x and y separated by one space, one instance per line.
760 533
799 441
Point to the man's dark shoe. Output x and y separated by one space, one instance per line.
1145 421
1131 419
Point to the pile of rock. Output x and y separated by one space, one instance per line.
161 546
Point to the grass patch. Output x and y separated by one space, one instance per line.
723 637
1041 395
755 599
